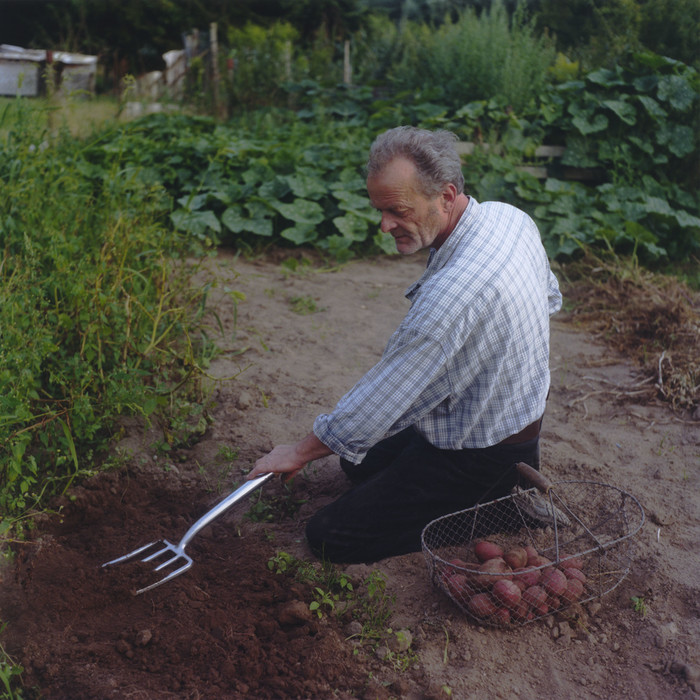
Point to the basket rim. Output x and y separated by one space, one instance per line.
553 486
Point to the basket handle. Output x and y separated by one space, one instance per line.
534 477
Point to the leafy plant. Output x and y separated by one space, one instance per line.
10 672
97 317
639 605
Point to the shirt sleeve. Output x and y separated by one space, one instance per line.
553 294
403 386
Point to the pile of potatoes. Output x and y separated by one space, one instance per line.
513 586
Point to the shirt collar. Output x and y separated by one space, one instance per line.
437 259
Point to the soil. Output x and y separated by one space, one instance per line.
232 627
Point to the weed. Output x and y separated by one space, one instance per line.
304 305
227 454
639 605
270 509
10 672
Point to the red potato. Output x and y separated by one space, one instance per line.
554 602
492 570
527 576
535 596
573 590
507 593
455 565
538 561
501 616
542 609
459 588
531 551
486 550
482 605
516 557
521 611
575 573
571 562
553 581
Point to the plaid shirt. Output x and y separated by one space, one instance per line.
469 364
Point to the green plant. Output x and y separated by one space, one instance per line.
304 305
274 508
330 587
97 316
484 55
10 672
639 605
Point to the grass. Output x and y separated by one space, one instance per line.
81 116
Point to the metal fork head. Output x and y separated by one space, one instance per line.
165 546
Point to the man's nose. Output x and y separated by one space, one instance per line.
388 222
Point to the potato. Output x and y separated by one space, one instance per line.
486 550
573 590
501 616
575 573
553 581
531 551
490 567
521 611
482 605
527 576
535 596
538 561
506 592
516 557
459 588
571 562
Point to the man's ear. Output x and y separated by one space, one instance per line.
449 197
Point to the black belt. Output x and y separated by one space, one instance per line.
526 434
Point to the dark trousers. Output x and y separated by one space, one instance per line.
402 484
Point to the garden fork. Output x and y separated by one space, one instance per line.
178 550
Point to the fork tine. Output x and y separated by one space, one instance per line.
169 577
170 561
130 555
167 548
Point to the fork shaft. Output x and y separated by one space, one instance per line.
222 506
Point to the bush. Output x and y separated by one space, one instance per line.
94 306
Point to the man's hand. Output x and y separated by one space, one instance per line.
290 459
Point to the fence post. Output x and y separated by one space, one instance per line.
347 66
214 57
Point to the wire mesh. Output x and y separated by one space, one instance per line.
527 555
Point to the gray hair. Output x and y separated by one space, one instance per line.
432 152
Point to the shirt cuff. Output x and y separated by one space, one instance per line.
324 434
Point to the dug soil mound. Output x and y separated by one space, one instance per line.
257 617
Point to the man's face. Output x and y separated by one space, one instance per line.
414 220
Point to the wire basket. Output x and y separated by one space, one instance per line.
538 551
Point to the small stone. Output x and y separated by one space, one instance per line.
143 637
353 629
123 647
404 639
295 612
244 400
381 652
594 608
564 629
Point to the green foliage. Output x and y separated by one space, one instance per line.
10 673
290 182
96 315
475 58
